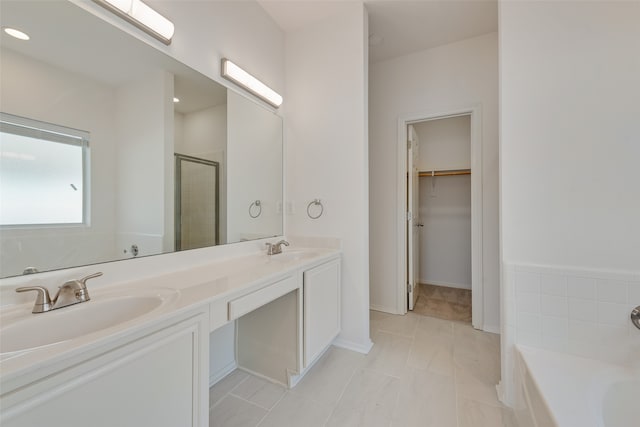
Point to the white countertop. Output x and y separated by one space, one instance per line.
193 288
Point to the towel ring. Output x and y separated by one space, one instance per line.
258 205
315 202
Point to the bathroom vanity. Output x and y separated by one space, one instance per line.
151 367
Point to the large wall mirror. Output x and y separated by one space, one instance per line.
111 149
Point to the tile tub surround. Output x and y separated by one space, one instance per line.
578 312
421 371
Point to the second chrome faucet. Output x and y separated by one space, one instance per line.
276 248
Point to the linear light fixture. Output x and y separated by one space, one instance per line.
237 75
142 16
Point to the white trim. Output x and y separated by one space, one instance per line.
494 329
477 284
214 377
383 309
465 286
354 346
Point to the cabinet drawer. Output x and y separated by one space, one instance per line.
243 305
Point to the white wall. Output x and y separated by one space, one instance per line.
570 137
39 91
453 76
445 239
141 131
326 149
203 133
444 143
254 165
570 199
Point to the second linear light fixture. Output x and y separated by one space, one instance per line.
142 16
237 75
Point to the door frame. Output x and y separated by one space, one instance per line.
477 285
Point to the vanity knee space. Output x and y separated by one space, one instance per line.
280 329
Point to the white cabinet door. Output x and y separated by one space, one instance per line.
153 381
321 308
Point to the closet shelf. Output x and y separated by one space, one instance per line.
447 172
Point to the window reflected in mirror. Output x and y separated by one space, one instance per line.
41 173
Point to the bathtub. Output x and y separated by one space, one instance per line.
560 390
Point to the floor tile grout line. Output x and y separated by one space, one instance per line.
231 393
269 410
344 389
246 377
228 392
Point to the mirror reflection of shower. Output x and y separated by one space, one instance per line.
197 202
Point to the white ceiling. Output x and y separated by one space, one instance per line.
404 26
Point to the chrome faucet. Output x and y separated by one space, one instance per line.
276 248
635 317
72 292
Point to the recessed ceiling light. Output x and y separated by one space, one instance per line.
176 99
16 33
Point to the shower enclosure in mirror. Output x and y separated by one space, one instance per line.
197 194
136 110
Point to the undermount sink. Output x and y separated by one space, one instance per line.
293 255
21 330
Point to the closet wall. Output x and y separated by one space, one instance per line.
445 202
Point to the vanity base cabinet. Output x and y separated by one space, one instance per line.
156 380
321 308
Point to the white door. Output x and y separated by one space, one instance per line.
413 218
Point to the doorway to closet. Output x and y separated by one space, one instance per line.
442 208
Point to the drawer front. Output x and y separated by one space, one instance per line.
243 305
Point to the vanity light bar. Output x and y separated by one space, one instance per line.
142 16
237 75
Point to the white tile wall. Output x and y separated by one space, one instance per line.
581 287
585 313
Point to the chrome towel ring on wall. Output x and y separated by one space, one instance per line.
315 202
255 212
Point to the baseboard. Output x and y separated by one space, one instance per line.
214 377
295 377
494 329
375 307
353 346
445 284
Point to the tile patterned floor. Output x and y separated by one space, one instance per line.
422 371
444 303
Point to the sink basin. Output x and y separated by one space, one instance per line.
22 330
293 255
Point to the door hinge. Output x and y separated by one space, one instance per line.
409 215
408 144
409 288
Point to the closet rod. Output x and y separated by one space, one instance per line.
445 172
